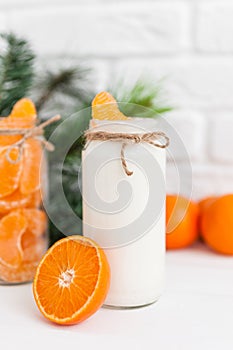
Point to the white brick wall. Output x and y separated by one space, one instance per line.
215 27
2 21
221 135
187 42
186 131
92 31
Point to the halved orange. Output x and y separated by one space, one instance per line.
72 280
104 107
30 178
12 227
10 170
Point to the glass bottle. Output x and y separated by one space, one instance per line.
126 214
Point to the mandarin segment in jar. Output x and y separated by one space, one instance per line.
23 115
30 178
23 224
33 247
15 200
10 170
36 199
24 272
12 227
7 140
21 245
36 221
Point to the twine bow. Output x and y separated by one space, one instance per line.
35 131
157 139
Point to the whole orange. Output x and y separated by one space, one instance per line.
217 225
205 202
182 222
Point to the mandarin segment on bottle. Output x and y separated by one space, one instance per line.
105 107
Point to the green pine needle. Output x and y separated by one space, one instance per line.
67 82
73 195
16 71
143 99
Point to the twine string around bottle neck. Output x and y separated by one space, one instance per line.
157 139
27 133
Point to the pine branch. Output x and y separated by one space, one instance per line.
143 99
72 193
69 82
16 71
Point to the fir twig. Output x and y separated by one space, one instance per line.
16 71
143 99
67 81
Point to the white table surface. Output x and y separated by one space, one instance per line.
195 312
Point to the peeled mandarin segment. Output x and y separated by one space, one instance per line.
12 226
104 107
23 273
30 178
36 221
24 113
2 215
33 247
10 172
35 199
14 201
6 140
17 200
72 280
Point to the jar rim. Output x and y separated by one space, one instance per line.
19 122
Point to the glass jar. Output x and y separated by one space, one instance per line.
23 221
126 214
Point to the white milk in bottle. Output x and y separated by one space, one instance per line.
126 214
